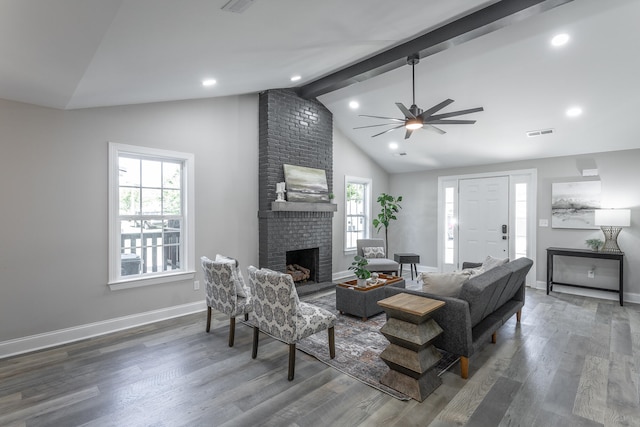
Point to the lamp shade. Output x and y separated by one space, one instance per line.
613 217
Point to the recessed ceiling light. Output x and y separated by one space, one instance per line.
393 145
574 112
354 105
295 78
560 40
208 82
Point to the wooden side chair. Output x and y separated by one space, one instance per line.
278 312
226 291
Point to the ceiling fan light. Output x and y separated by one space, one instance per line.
413 124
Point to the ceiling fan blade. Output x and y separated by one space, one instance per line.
451 122
408 133
435 108
408 114
388 130
373 126
435 129
380 117
457 113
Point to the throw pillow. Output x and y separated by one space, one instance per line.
236 274
492 262
373 252
444 284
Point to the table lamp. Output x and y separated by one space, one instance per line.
611 222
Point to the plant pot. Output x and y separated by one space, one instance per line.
362 283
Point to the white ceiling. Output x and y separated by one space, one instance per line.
73 54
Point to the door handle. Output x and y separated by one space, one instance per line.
504 229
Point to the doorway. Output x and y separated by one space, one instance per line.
483 218
486 214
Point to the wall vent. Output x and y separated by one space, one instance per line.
237 6
539 132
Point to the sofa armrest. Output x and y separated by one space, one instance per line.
454 319
471 264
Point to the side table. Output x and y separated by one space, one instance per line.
407 258
411 357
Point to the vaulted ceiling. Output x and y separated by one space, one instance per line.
72 54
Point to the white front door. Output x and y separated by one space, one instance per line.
483 219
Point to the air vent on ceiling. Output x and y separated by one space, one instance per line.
237 6
539 132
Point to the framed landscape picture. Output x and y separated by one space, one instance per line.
306 184
573 204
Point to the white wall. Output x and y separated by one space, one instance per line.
53 195
349 159
618 172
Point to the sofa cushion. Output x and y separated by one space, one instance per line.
382 264
444 284
373 252
482 292
519 270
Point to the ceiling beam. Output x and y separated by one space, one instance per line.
469 27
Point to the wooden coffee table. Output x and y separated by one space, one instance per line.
411 357
363 302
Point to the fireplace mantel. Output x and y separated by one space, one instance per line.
303 207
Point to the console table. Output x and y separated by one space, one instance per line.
584 253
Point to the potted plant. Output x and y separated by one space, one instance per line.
361 273
594 244
390 206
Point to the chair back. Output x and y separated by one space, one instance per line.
367 243
219 286
275 303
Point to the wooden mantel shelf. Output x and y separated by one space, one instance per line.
303 207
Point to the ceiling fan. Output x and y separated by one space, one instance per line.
416 118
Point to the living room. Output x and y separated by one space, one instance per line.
54 169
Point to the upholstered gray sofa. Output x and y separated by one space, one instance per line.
381 265
485 302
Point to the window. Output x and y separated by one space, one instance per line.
151 216
521 219
357 210
449 226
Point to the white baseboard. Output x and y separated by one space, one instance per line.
593 293
76 333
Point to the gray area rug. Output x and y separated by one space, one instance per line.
358 345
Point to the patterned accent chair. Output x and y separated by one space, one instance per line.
221 292
279 313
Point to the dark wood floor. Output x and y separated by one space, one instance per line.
573 361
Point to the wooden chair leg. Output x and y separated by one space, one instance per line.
208 318
232 330
519 315
332 342
292 361
254 350
493 338
464 367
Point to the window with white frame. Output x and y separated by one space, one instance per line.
151 215
357 210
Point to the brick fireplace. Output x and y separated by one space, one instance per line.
298 132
